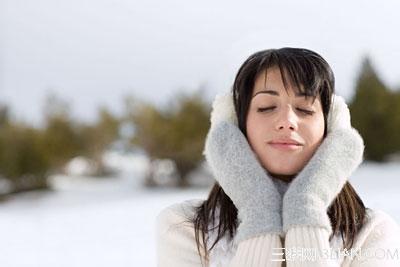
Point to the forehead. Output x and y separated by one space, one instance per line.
272 79
272 82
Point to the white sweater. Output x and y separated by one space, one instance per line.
378 241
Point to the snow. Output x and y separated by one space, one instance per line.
379 186
111 221
80 166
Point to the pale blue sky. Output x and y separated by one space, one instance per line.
94 52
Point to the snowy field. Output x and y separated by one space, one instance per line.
111 222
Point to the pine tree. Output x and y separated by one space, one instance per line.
372 114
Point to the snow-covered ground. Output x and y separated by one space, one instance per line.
111 222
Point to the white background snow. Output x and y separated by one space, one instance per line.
111 221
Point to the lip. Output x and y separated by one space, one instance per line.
288 141
285 144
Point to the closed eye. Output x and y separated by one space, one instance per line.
265 109
305 111
308 112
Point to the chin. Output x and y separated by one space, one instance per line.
279 170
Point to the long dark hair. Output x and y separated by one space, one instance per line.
312 75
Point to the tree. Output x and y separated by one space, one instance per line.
4 115
374 111
393 121
176 132
97 137
60 138
21 157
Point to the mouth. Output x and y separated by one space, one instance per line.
285 146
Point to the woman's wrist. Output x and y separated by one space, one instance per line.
321 180
254 224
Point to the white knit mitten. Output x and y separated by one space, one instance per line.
309 195
241 176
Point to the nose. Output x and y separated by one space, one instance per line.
286 119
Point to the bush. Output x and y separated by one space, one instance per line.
21 157
177 132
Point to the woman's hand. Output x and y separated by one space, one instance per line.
241 176
315 187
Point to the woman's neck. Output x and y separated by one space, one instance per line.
283 177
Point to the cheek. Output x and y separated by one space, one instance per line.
313 134
257 130
314 131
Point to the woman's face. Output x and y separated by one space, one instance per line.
284 130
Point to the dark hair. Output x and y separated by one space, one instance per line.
310 74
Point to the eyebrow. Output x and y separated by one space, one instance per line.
276 93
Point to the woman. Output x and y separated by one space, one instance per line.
281 148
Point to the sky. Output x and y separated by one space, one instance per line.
94 53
